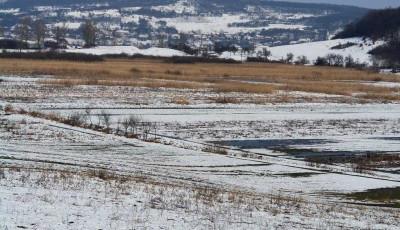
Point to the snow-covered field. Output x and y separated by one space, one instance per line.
54 175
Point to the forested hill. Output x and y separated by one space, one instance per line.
377 24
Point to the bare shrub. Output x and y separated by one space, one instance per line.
135 70
102 174
8 108
2 174
215 149
75 119
105 118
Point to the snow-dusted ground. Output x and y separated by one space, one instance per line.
43 194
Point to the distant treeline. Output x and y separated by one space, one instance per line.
12 44
175 59
192 60
52 56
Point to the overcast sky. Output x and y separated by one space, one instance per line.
362 3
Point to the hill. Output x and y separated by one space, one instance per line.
379 25
161 22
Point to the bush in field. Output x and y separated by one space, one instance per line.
289 58
335 60
321 61
302 60
75 119
215 149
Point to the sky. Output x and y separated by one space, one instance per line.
376 4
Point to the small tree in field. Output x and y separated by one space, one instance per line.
289 58
60 33
89 32
39 31
349 62
125 125
106 119
23 31
302 60
133 123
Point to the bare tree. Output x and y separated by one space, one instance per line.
89 32
39 31
23 31
262 54
302 60
60 33
88 113
106 119
289 58
125 125
133 123
335 59
349 62
118 130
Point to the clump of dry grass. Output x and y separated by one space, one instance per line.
180 100
135 70
225 100
174 72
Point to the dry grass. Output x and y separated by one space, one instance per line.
219 77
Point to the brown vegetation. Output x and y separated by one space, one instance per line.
260 78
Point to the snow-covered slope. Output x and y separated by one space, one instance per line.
313 50
129 50
358 49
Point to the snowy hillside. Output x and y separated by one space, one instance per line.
355 47
359 50
149 23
